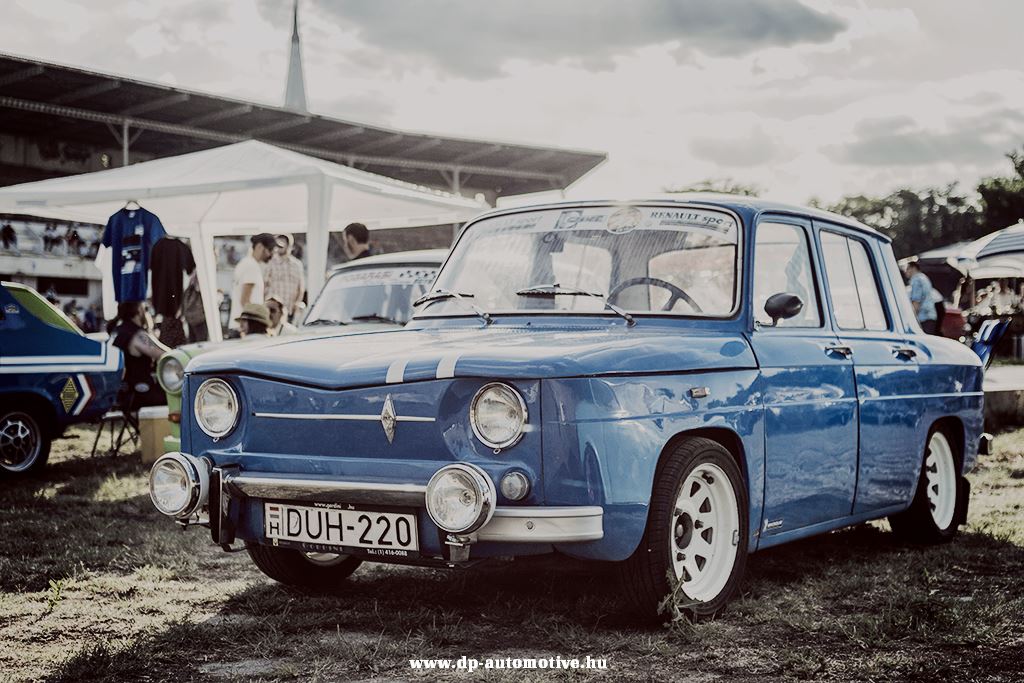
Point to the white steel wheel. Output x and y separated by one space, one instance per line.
326 559
21 442
941 497
704 532
940 480
693 553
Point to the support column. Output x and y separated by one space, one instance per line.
124 142
206 272
318 219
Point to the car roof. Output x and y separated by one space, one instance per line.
732 202
397 258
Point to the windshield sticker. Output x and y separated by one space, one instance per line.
624 220
384 277
718 222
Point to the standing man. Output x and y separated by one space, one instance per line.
356 241
922 297
286 280
247 283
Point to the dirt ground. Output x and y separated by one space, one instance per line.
95 585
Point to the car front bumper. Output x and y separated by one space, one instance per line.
230 488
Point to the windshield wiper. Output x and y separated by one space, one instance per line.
323 321
556 289
373 317
461 297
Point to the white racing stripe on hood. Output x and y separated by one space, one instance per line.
396 371
446 368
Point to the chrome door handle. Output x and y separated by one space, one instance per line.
839 349
904 352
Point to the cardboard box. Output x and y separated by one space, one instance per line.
153 427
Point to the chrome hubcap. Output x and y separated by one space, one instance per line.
20 442
705 531
940 480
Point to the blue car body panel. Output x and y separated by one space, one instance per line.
77 377
823 439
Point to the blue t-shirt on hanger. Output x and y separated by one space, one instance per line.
131 234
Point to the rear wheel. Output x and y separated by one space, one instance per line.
24 443
316 571
940 502
696 533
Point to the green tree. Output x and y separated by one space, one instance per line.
1002 199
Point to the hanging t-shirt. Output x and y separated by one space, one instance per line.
131 234
170 258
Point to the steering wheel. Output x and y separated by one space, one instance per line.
676 292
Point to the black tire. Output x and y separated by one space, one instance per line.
25 441
918 523
293 567
645 575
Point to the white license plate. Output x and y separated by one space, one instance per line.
378 533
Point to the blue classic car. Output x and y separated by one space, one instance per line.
670 385
51 376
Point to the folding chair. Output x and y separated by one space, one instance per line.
124 413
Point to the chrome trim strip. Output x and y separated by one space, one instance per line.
300 488
329 416
544 525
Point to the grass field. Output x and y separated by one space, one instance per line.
95 585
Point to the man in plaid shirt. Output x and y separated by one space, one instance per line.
285 277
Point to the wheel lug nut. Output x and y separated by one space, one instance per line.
697 524
708 478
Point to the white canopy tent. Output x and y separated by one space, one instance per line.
245 188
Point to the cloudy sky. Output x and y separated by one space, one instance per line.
804 98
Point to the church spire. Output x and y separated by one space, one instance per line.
295 91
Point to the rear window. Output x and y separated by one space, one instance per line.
42 309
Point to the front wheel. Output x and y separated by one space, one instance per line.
315 571
24 444
695 544
940 501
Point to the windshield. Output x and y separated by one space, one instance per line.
371 294
641 259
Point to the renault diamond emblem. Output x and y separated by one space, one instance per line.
387 419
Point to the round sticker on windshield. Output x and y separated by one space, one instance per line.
624 220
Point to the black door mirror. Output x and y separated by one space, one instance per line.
783 306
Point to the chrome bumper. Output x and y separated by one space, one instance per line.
539 524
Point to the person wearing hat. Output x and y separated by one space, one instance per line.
254 319
247 282
278 324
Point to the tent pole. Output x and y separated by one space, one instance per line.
318 214
206 272
124 142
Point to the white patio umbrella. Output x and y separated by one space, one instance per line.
245 188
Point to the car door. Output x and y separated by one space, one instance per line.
807 385
885 367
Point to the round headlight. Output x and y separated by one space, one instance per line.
178 485
498 415
460 498
216 407
171 373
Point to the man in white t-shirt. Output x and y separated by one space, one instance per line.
247 285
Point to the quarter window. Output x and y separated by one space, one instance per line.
782 264
856 301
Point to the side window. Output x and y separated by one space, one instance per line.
782 263
856 301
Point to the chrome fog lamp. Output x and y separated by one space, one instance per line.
460 498
171 371
179 485
498 415
216 407
515 485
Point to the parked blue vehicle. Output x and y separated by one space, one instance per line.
51 376
670 385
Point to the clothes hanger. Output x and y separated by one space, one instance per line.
128 204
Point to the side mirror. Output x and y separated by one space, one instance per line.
783 306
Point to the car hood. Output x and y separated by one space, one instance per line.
498 351
262 341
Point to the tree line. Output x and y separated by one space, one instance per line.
921 219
